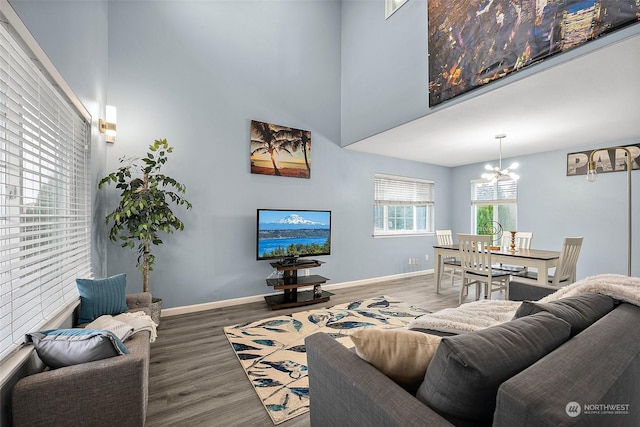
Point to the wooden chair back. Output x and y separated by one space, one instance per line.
566 269
522 240
444 237
475 253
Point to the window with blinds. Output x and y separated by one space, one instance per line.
402 206
44 196
494 204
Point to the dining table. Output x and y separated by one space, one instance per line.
540 259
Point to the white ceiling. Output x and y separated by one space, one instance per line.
591 99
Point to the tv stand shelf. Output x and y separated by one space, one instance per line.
290 283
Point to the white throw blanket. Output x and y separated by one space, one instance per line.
623 288
126 324
482 314
471 316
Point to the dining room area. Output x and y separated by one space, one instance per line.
490 264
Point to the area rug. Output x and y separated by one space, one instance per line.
273 355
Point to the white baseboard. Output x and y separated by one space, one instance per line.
174 311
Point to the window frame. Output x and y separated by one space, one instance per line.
506 197
397 194
45 198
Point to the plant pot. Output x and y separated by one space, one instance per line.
156 308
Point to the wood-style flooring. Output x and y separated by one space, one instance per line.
195 378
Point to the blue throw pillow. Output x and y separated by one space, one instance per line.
64 347
102 296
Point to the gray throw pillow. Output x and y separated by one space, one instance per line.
64 347
462 380
580 311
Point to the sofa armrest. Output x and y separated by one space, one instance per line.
105 393
520 290
345 390
139 300
599 366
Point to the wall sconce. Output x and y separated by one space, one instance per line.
592 176
108 126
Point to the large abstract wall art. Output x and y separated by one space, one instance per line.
474 42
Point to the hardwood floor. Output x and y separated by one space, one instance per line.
195 378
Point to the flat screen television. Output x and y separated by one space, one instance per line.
289 234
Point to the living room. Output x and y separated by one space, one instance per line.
198 72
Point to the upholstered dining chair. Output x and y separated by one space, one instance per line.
522 240
444 237
475 256
565 272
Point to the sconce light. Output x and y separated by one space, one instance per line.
108 126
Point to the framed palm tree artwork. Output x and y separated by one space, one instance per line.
280 150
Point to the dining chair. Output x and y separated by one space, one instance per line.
565 272
444 237
475 256
522 241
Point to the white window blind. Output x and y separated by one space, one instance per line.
403 191
486 193
44 196
402 205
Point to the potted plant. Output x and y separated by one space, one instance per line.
144 210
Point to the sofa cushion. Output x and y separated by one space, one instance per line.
580 311
462 380
101 296
400 354
64 347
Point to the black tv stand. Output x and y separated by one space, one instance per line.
290 283
290 262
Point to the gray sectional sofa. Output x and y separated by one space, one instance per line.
591 379
103 393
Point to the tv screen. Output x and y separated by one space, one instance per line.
293 233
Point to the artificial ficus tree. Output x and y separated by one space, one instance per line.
145 206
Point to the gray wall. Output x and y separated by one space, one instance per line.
384 67
553 206
197 73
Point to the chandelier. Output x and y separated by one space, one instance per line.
497 173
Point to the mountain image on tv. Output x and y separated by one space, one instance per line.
286 234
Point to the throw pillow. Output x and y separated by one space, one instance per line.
101 296
400 354
64 347
462 380
580 311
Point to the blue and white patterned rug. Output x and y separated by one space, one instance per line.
273 355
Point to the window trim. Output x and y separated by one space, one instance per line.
67 155
475 203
